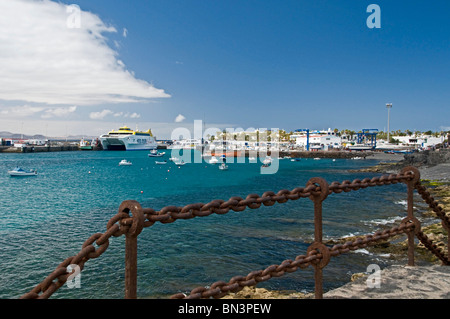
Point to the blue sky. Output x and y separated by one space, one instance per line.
276 64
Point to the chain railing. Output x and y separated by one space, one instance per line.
132 218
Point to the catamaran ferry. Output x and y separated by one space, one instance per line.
125 139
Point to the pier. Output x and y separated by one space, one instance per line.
39 148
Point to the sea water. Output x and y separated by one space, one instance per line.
46 218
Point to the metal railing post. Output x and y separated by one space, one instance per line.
318 246
410 234
410 202
130 267
131 246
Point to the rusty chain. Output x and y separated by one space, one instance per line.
116 226
169 214
122 222
428 243
434 205
237 283
445 220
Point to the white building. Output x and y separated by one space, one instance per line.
420 141
318 140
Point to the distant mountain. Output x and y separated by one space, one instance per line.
5 134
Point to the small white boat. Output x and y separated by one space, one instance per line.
180 163
124 162
173 159
21 172
154 153
317 158
223 167
160 163
252 158
213 160
267 160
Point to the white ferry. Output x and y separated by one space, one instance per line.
125 139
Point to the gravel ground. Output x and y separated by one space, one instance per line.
398 282
440 172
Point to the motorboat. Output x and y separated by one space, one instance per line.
223 167
267 161
180 163
124 162
154 153
213 160
21 172
160 163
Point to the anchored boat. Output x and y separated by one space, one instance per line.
154 153
124 162
21 172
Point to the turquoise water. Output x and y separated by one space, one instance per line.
46 218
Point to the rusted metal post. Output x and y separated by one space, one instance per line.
410 200
130 267
411 233
131 246
318 245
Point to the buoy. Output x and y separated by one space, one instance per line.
142 192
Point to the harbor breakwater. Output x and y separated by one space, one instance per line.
437 159
326 154
38 149
428 157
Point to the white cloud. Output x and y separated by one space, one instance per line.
99 115
102 114
179 118
135 115
58 112
21 111
49 55
124 32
